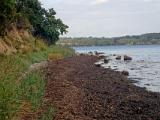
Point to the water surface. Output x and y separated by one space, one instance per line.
144 68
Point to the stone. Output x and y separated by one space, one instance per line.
106 61
127 58
126 73
118 58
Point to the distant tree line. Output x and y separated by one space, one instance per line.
29 14
145 39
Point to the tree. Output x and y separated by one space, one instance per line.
7 13
53 27
43 21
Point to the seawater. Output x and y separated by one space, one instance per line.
144 68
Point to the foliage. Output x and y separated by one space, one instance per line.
43 22
52 27
7 12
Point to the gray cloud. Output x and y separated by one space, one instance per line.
98 2
107 17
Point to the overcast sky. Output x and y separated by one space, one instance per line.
107 18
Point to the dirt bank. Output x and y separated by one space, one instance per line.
81 91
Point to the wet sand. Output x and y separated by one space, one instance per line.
80 90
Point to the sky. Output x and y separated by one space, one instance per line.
107 18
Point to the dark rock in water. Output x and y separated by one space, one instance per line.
90 53
102 56
142 61
118 58
126 73
98 65
81 54
132 68
106 61
96 53
148 84
99 53
134 81
127 58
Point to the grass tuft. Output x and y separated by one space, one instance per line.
18 96
49 115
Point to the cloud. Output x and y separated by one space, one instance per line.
147 0
107 18
98 2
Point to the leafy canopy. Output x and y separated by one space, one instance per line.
6 13
44 23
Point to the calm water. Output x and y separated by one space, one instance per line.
144 68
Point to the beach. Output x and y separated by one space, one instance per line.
80 90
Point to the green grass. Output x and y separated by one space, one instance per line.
15 94
49 114
31 89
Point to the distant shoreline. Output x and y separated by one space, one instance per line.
145 39
107 45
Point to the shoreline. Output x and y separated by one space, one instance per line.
80 90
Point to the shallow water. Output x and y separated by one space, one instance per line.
144 68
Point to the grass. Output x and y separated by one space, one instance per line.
20 96
49 114
32 88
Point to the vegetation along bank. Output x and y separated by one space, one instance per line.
28 33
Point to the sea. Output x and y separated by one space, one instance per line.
144 69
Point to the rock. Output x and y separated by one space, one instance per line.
95 52
102 56
90 53
126 73
106 61
118 58
38 66
132 68
98 65
147 84
127 58
81 54
99 53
